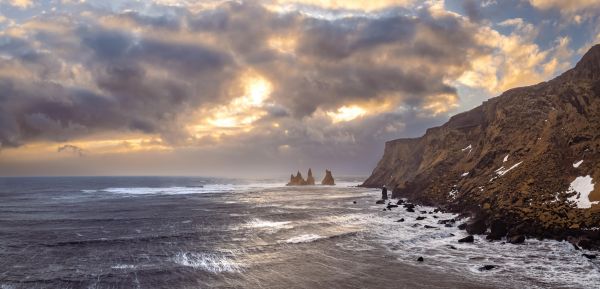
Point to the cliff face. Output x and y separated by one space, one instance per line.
530 155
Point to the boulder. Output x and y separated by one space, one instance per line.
419 218
420 259
410 210
589 256
380 202
400 221
328 180
476 226
518 239
467 239
487 267
429 227
389 206
497 230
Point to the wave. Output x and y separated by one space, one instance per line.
306 238
209 262
185 190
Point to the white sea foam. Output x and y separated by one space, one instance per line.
306 238
551 263
123 266
206 189
210 262
266 224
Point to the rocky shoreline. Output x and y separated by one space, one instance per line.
495 231
522 165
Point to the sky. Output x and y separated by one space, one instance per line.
259 88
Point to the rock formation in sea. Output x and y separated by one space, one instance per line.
524 163
328 179
310 180
297 180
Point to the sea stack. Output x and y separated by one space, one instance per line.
328 180
297 180
310 180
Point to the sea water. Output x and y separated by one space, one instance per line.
159 232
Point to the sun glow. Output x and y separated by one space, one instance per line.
346 113
241 112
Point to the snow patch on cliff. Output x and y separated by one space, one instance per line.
583 186
502 171
577 164
468 148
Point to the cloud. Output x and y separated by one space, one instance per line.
19 3
565 6
72 149
283 82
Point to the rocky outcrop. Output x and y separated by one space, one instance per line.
328 180
529 157
297 180
310 180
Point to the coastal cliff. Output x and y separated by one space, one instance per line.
528 159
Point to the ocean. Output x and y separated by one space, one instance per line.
180 232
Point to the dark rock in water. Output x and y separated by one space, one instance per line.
328 180
401 220
462 226
310 180
430 227
518 239
585 244
419 218
384 209
589 256
410 210
452 247
400 202
497 230
467 239
476 227
452 235
423 212
416 225
487 267
409 205
576 247
354 202
447 221
448 225
437 210
380 202
420 259
297 180
435 217
389 206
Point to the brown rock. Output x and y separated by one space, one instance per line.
519 149
328 180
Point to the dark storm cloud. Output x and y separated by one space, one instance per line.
72 149
141 82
